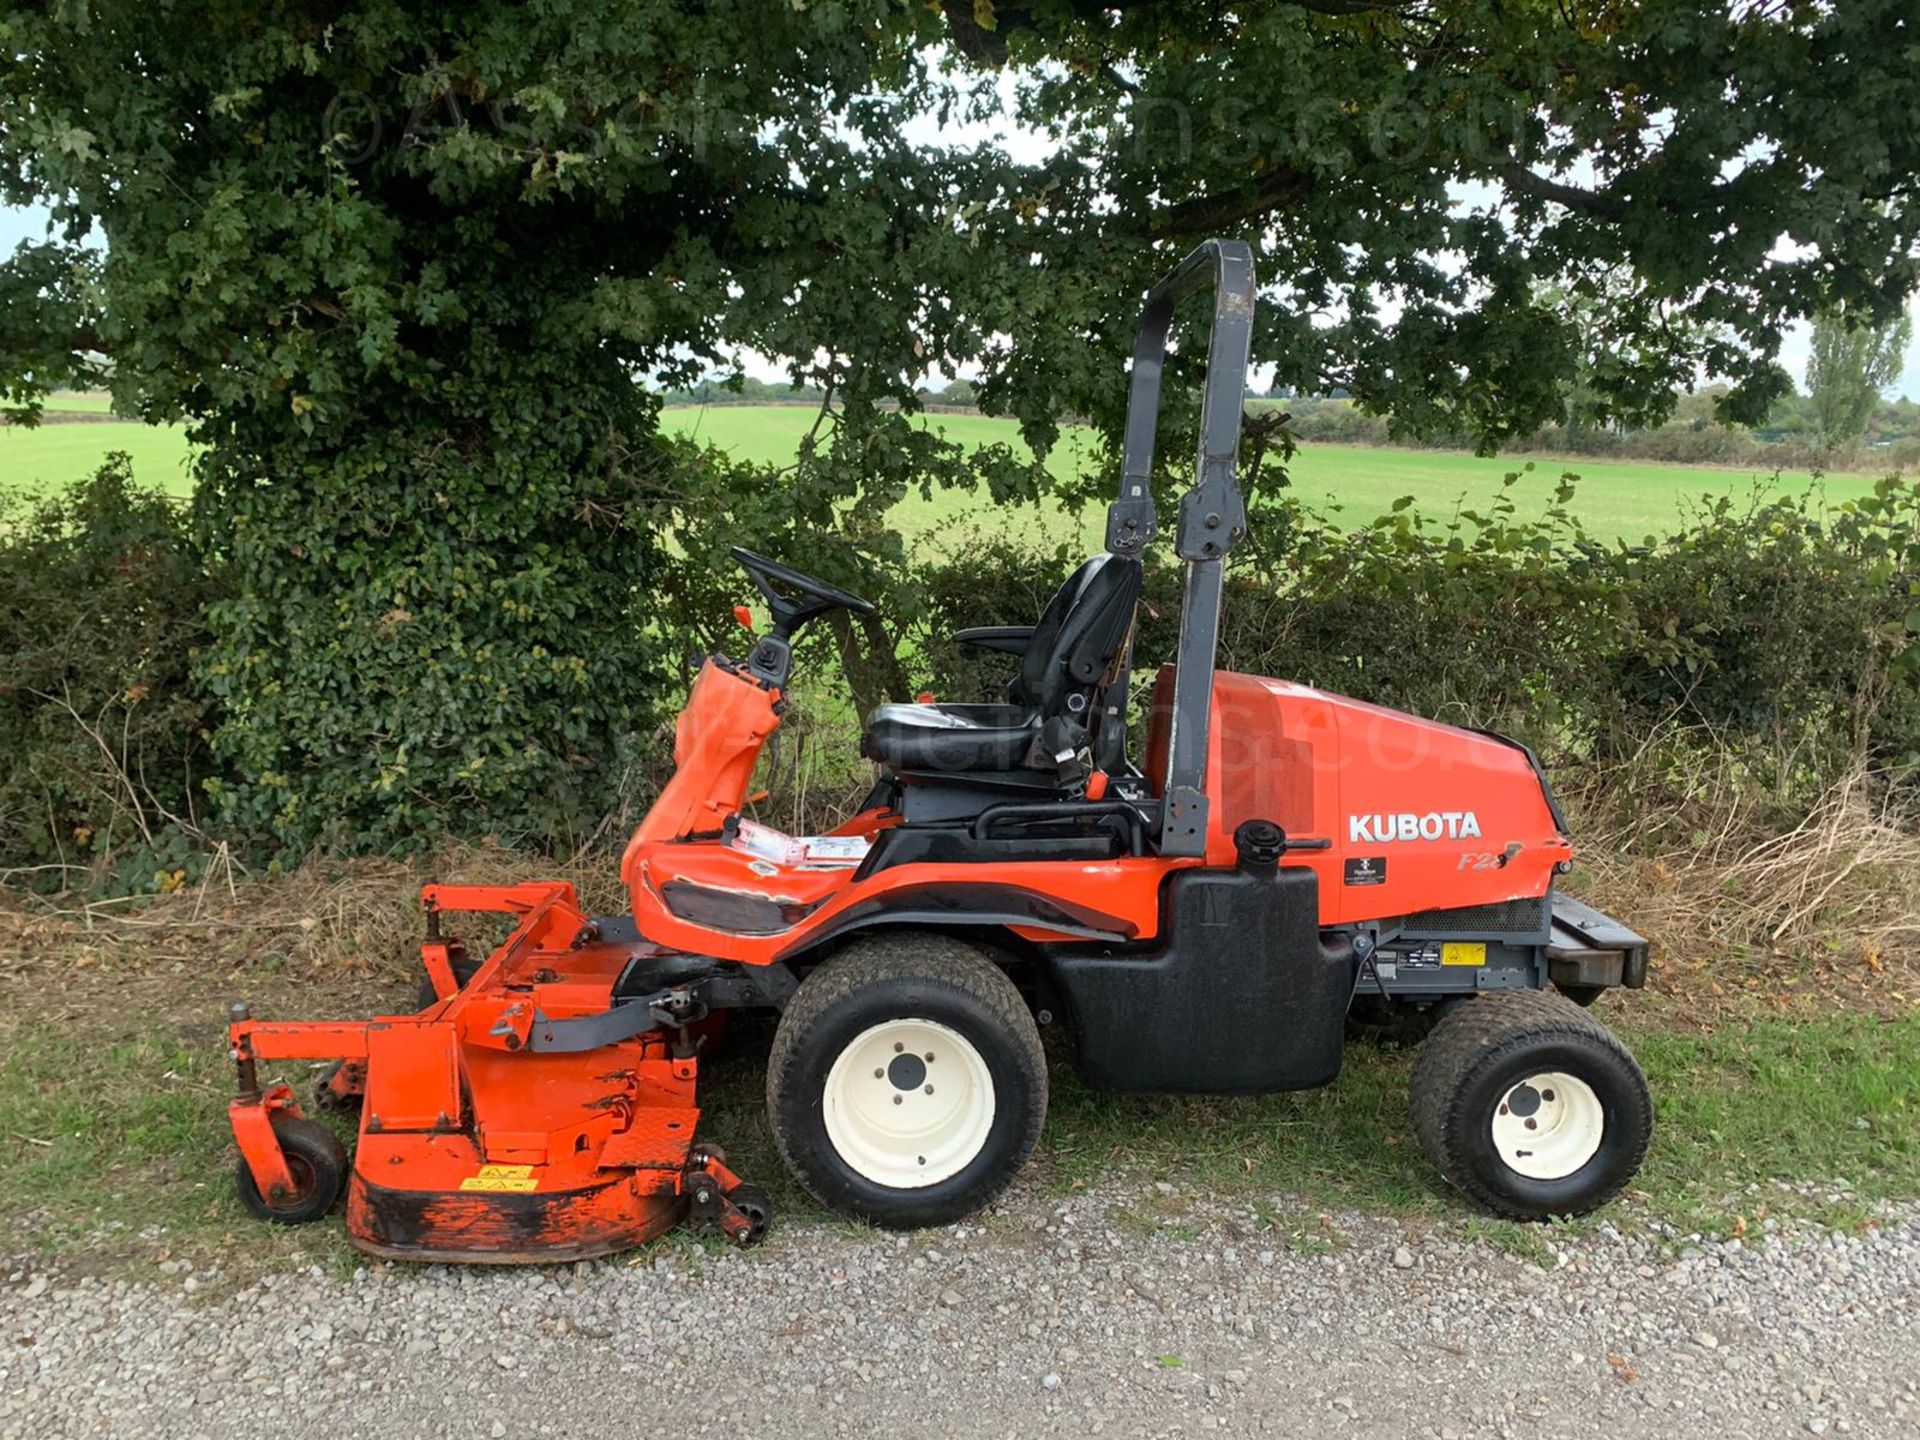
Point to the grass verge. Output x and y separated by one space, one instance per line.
114 1149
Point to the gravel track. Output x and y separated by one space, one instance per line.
1051 1318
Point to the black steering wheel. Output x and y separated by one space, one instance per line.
771 579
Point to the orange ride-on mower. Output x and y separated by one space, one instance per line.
1203 919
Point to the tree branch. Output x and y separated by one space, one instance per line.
1588 202
1210 214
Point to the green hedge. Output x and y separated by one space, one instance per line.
1781 630
103 733
1780 634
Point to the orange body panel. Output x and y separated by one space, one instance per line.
1446 817
728 718
1443 817
716 742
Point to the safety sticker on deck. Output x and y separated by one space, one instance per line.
1464 952
501 1177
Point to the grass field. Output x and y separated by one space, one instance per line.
51 456
1615 499
77 403
1624 500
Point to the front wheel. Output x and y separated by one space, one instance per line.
317 1163
906 1084
1531 1106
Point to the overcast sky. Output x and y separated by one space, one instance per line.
17 224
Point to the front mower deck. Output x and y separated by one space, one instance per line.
498 1125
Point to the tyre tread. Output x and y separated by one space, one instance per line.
1469 1034
905 955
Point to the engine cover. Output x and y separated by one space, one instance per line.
1418 815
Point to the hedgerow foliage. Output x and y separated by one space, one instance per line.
103 734
1780 633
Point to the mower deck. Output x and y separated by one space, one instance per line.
490 1131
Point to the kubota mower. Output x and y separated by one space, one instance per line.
1202 918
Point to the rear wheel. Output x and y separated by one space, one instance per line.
1531 1106
906 1084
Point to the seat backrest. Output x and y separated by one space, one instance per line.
1079 633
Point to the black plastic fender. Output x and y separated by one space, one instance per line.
944 904
1239 995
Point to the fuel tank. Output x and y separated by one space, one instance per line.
1417 815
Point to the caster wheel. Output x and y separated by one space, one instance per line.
464 969
318 1163
752 1202
907 1086
1530 1105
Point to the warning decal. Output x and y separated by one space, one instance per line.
501 1177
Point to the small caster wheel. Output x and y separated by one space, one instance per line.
318 1163
425 997
752 1202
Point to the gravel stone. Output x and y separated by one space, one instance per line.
1629 1331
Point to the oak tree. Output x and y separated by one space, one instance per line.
413 274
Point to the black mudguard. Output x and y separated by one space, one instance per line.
1238 996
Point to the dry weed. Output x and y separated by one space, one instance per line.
360 916
1736 898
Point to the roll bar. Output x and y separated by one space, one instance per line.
1213 512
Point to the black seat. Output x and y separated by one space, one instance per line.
1065 659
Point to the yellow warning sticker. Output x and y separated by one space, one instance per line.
1463 952
501 1177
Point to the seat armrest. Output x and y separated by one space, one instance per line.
1008 639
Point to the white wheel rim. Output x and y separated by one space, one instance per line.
1548 1125
908 1104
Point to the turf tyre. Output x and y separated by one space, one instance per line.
318 1163
906 978
1474 1060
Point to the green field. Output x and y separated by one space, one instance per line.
1626 500
53 455
1615 499
69 402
